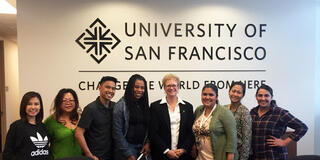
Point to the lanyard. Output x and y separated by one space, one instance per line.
204 118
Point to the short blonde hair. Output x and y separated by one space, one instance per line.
169 77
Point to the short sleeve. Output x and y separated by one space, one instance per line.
86 118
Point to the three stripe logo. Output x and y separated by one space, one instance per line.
38 141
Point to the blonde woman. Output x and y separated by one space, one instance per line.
171 125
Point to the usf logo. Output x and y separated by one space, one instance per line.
98 41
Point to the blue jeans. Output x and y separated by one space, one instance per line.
135 149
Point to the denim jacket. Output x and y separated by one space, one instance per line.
120 129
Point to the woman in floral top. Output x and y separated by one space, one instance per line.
214 128
243 119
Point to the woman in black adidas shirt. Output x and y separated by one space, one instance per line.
27 138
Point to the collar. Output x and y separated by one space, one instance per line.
101 105
255 110
229 107
164 100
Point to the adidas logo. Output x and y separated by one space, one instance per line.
38 141
39 152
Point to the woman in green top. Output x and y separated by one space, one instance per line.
61 125
214 128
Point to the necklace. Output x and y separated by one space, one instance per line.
204 118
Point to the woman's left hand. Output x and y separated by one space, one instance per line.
194 152
179 152
145 149
274 142
230 156
131 157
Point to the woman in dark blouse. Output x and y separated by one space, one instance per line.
131 119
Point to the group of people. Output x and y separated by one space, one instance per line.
167 129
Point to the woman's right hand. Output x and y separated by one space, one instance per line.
172 155
194 152
93 157
145 149
131 157
230 156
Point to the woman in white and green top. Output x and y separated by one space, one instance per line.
214 128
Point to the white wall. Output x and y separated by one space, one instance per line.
317 80
50 59
11 81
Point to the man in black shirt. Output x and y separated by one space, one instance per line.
94 131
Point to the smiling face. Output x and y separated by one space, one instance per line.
107 90
138 89
171 87
263 98
208 97
33 107
68 103
236 94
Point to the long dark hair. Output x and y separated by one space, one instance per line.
74 116
132 103
128 94
269 89
23 105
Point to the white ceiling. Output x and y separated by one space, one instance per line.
8 24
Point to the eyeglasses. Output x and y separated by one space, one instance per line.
171 85
68 100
